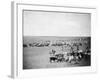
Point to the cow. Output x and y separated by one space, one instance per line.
53 58
60 57
66 58
25 45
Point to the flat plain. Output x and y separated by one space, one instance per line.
38 57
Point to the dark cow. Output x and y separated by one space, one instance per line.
25 45
60 57
53 59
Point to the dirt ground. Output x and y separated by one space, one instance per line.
38 57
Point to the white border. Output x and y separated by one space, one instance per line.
17 67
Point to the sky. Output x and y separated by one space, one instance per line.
42 23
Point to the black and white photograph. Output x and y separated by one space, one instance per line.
54 39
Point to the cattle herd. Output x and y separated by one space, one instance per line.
73 57
70 56
44 43
37 44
